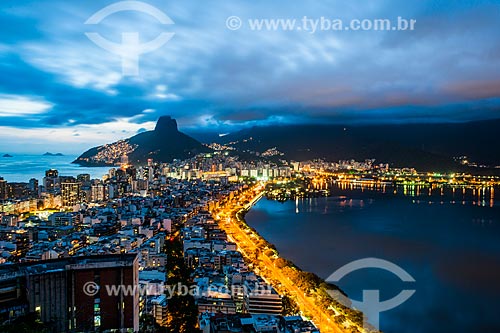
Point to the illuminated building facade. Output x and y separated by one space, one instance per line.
56 289
71 193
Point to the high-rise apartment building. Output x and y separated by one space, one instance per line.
73 294
261 298
51 180
3 189
98 192
70 193
33 186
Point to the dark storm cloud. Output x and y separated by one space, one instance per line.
208 76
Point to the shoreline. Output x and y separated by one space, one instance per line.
242 214
311 292
408 222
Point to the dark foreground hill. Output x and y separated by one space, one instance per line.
423 146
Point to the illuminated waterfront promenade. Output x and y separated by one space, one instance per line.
250 244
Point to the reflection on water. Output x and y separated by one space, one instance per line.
438 193
446 237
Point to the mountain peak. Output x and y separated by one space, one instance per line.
166 124
164 144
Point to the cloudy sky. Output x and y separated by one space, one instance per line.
59 91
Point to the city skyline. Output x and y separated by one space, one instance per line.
185 220
233 166
58 89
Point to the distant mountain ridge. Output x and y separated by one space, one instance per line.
426 147
164 144
423 146
53 154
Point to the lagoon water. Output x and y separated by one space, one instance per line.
448 241
21 168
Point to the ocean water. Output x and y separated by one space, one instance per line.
21 168
449 243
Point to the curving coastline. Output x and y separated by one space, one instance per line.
308 291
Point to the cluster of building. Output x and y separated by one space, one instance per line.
57 290
115 225
322 165
225 283
58 236
110 153
48 256
255 323
60 192
271 152
231 297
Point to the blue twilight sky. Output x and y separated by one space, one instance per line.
61 92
